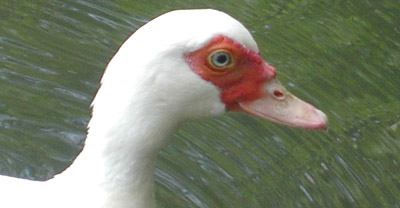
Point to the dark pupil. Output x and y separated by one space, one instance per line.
222 59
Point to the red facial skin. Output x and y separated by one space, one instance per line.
241 81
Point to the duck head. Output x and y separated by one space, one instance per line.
189 64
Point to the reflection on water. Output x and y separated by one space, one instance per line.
343 57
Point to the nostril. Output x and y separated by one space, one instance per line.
279 95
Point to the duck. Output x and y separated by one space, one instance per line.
183 65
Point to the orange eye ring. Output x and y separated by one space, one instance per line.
221 59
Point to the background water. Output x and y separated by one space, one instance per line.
342 56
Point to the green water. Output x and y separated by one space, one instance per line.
342 56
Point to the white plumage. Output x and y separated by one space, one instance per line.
147 91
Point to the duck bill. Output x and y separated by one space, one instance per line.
282 107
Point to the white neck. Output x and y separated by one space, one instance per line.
127 150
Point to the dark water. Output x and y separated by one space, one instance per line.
342 56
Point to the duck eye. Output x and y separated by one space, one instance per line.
220 59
